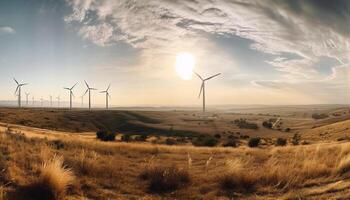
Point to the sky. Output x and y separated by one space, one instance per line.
268 52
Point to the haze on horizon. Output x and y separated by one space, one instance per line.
269 52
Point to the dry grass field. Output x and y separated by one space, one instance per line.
39 162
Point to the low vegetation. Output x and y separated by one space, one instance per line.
105 135
243 123
254 142
319 116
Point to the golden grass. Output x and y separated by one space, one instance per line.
53 181
113 170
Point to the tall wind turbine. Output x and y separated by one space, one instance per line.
89 90
82 100
107 95
41 101
58 100
70 94
33 101
202 91
50 100
27 95
18 89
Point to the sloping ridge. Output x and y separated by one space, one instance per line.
333 131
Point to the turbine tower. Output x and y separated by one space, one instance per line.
27 95
58 101
82 100
50 100
202 90
33 101
18 89
89 90
107 95
70 95
41 101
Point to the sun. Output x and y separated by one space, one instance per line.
185 63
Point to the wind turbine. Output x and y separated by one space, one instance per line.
50 100
58 100
82 100
27 95
41 101
107 95
33 101
70 95
18 89
89 90
202 91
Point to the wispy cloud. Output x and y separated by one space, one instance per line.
309 29
7 30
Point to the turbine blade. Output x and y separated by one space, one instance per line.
200 92
92 88
15 81
87 85
17 89
73 86
199 76
72 94
103 92
66 88
86 92
108 87
23 84
212 77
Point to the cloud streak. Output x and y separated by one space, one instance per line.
6 30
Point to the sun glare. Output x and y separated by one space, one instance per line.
185 63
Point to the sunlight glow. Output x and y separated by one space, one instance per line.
185 63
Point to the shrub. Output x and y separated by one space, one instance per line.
287 130
267 124
230 143
170 141
141 138
208 141
296 139
254 142
53 181
105 135
281 142
319 116
243 123
126 138
165 179
217 136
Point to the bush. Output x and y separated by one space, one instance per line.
208 141
296 139
165 179
170 141
217 136
319 116
287 130
105 135
267 124
141 138
126 138
254 142
230 143
243 123
281 142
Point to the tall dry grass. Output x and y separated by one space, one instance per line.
53 181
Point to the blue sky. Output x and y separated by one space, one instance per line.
269 52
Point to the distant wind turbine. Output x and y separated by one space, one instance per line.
33 101
89 90
18 89
70 95
107 95
41 101
50 100
27 95
202 90
82 100
58 100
